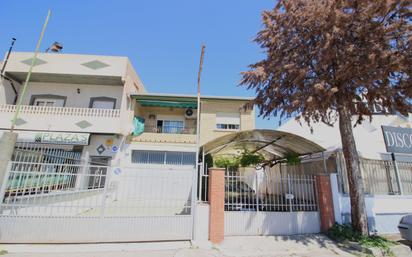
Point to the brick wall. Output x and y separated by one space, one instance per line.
327 217
217 205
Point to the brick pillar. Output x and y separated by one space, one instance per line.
217 205
327 217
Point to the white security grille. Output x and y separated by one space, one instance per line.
163 157
276 193
269 203
92 203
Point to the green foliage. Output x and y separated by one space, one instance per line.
209 160
292 159
225 162
248 159
342 233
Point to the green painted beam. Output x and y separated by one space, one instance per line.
182 104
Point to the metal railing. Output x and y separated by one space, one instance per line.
170 129
32 152
269 192
75 190
61 111
380 177
249 190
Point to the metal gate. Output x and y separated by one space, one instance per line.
63 203
269 203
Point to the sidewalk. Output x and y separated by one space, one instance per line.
252 246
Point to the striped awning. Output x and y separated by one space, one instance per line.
174 104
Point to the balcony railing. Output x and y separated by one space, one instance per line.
191 130
61 111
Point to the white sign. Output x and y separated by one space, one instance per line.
289 196
60 138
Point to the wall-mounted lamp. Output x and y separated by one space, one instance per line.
78 90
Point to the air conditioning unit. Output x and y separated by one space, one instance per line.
190 113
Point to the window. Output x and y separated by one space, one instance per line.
227 126
163 157
170 126
228 121
102 103
48 100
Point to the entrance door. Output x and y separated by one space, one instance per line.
98 171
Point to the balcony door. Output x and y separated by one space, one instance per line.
102 102
48 102
170 126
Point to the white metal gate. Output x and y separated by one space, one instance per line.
264 203
62 203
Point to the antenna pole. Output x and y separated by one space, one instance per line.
8 55
196 170
33 62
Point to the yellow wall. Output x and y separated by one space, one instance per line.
209 110
208 129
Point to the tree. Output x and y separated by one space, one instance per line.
330 60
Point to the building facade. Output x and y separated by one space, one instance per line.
89 104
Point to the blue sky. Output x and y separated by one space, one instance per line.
162 38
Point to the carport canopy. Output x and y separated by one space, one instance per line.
272 144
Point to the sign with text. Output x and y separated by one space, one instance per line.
62 138
397 140
58 138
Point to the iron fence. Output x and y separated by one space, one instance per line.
33 152
271 190
380 177
262 191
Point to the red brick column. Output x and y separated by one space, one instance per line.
327 217
217 205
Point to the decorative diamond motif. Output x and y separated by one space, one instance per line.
19 122
83 124
100 149
95 65
37 62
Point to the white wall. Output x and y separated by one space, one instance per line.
271 223
7 94
97 140
384 211
368 136
68 64
70 91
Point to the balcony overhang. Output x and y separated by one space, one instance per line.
180 101
66 78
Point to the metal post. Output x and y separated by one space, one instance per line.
289 194
398 177
195 173
33 62
257 191
325 167
8 56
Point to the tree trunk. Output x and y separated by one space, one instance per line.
356 188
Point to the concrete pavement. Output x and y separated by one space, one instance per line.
252 246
